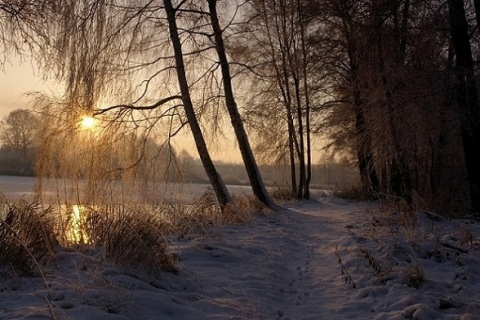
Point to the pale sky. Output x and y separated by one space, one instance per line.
16 80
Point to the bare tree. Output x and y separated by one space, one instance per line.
467 98
216 181
103 50
281 33
18 131
256 181
24 26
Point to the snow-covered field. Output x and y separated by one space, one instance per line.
16 188
323 259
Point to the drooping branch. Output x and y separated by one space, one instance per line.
131 107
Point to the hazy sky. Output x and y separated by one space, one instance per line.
16 80
19 78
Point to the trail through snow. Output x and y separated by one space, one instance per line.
282 267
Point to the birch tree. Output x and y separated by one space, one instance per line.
281 38
254 176
216 181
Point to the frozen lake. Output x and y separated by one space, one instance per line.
22 187
16 187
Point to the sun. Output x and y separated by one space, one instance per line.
88 122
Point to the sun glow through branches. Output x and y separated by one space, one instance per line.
88 122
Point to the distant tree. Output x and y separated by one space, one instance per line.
17 131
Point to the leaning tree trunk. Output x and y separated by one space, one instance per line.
216 181
251 167
467 98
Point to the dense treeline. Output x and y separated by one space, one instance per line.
391 85
19 135
393 80
330 175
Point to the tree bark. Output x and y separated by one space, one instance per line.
282 76
251 167
467 98
368 174
401 179
308 169
477 13
216 181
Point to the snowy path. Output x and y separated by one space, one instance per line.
318 280
282 269
285 267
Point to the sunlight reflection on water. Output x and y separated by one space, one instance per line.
74 219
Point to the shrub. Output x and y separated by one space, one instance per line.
130 237
283 194
26 237
353 193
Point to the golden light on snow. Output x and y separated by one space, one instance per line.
88 122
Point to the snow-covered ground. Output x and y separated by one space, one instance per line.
323 259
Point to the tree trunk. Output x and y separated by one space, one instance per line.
401 179
308 169
467 98
477 13
366 166
251 167
216 181
301 141
293 60
368 174
282 78
291 154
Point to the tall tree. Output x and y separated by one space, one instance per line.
218 185
392 98
282 41
467 98
254 176
368 174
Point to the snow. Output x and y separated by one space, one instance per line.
322 259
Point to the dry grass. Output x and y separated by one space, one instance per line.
344 270
27 237
379 267
415 275
282 194
388 244
201 218
129 237
245 207
353 193
398 215
467 238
